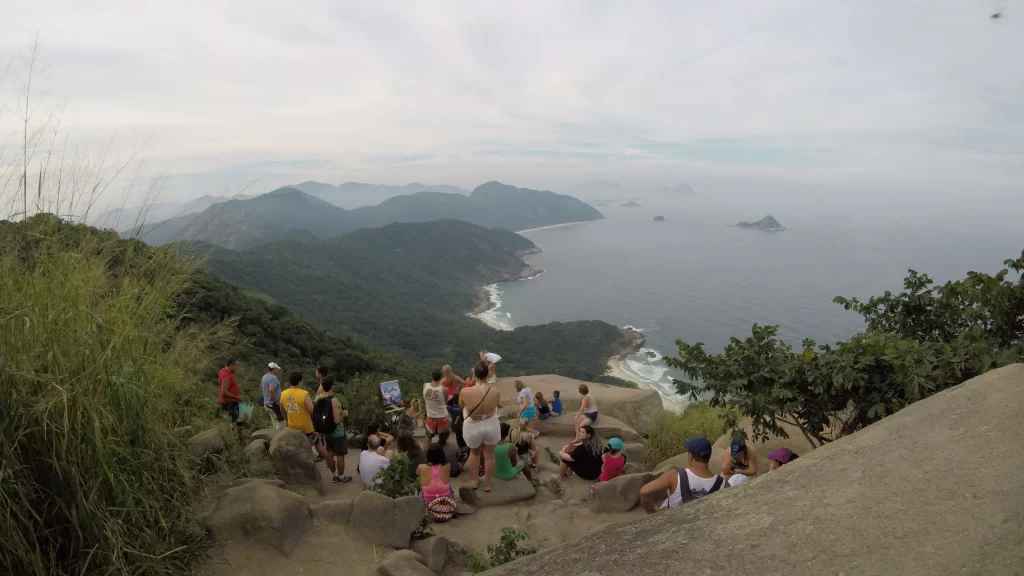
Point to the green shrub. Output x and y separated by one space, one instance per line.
510 547
395 481
97 371
552 455
666 435
555 487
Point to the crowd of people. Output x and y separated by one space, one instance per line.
486 447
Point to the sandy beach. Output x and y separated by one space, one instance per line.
554 226
615 369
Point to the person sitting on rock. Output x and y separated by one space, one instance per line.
507 463
614 461
481 428
543 408
587 414
454 453
525 442
684 485
372 460
407 445
435 476
780 456
556 403
585 458
739 464
385 442
527 409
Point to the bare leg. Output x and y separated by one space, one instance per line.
534 451
492 372
563 469
473 466
488 466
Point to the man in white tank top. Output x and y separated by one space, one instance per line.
435 399
684 485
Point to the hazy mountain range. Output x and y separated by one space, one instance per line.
126 217
606 191
292 213
355 194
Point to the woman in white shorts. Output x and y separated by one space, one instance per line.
481 429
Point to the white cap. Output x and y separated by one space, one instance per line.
272 366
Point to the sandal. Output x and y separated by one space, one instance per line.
475 484
487 488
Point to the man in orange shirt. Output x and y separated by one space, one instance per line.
230 395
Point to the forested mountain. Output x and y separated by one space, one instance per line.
355 194
241 224
406 288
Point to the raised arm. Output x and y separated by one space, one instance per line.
659 485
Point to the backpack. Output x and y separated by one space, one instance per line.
323 416
441 509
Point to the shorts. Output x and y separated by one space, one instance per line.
274 410
314 438
592 416
232 409
433 425
544 415
477 432
530 413
337 445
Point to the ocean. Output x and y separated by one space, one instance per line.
694 278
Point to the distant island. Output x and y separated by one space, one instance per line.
659 218
767 224
631 204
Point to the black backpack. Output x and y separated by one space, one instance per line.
323 416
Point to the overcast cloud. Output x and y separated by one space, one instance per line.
542 94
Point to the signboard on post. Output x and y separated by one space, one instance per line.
391 394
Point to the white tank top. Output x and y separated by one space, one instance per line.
590 403
433 400
699 487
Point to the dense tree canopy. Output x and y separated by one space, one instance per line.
917 342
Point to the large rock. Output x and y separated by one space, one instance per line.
636 407
276 482
433 551
796 442
403 563
606 427
333 511
502 492
387 522
293 459
265 434
932 490
256 449
263 512
619 494
209 442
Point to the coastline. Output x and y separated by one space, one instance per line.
615 369
553 226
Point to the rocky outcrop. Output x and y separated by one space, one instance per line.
403 563
333 511
265 434
502 492
385 521
209 442
606 427
619 494
929 491
635 407
292 455
433 551
768 224
263 512
256 449
659 218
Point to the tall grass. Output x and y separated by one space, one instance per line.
666 435
96 370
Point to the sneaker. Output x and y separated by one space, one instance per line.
341 479
318 458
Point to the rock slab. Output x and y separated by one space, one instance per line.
292 456
333 511
433 551
209 442
403 563
619 494
263 512
502 492
387 522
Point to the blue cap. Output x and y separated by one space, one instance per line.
700 447
738 446
616 444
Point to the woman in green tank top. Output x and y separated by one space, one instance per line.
506 459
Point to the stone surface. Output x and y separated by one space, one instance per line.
263 512
209 442
619 494
271 481
403 563
606 427
463 509
545 530
256 449
502 492
556 505
932 490
409 513
384 521
265 434
635 453
292 456
334 511
524 516
636 407
433 551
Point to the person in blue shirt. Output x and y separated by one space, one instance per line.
556 404
271 387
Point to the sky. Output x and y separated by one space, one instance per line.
225 95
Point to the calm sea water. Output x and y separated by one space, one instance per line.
693 278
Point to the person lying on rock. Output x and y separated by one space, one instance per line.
739 464
780 456
507 463
372 461
585 458
684 484
481 428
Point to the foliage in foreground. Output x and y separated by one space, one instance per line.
395 481
97 371
509 547
918 342
667 433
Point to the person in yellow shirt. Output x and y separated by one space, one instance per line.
298 406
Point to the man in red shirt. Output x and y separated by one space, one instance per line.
227 385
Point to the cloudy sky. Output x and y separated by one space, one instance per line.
540 94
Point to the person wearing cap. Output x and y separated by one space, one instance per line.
271 387
613 461
740 464
780 456
684 484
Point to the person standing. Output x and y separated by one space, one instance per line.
271 387
334 439
227 385
684 485
481 428
435 399
299 410
491 360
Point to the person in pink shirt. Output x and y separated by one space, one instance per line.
614 461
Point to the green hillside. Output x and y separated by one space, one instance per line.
407 287
240 224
